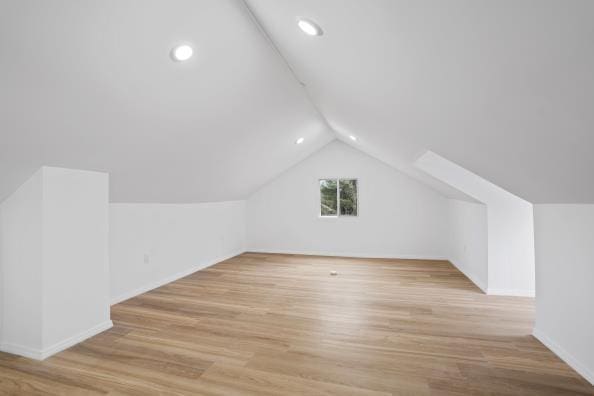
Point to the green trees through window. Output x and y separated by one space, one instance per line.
348 197
338 197
329 203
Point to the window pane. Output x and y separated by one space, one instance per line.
328 199
348 197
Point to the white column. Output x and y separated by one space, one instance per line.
55 261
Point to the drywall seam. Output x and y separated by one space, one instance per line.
153 285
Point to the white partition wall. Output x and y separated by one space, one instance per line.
54 257
510 226
75 246
564 276
21 217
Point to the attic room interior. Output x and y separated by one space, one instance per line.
296 197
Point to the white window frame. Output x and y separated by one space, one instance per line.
337 215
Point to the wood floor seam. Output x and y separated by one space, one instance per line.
275 324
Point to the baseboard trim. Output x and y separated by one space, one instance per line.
349 254
474 279
471 277
172 278
510 292
564 355
80 337
41 354
22 350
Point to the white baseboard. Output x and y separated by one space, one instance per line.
153 285
41 354
80 337
510 292
564 355
22 350
349 254
473 278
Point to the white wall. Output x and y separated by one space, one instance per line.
511 248
153 244
565 283
54 261
510 226
1 284
75 255
468 238
21 217
398 216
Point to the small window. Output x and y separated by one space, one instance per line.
328 197
338 197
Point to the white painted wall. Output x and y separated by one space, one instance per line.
511 248
468 239
1 284
21 217
75 255
54 261
153 244
398 216
510 226
564 283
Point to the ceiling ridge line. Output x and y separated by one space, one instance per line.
276 49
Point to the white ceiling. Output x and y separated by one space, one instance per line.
90 85
503 88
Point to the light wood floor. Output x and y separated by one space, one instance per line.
267 324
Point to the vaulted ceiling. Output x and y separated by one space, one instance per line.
90 85
504 89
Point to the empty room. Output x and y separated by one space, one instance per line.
296 197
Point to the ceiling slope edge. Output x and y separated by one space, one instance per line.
412 171
428 180
288 168
461 179
268 38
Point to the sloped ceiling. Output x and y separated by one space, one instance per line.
502 88
90 85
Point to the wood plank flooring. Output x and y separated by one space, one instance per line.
265 324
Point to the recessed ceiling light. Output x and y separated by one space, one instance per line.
353 138
182 53
300 140
309 27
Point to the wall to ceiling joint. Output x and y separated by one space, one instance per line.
398 215
510 227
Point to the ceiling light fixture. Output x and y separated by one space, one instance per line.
182 53
300 140
309 27
353 138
